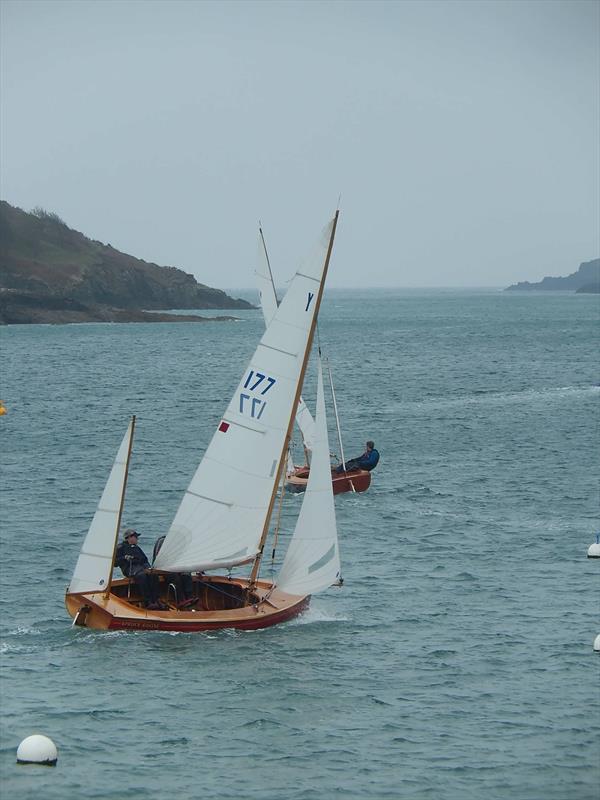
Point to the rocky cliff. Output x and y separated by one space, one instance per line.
51 273
585 280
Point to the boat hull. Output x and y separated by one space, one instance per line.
121 608
355 480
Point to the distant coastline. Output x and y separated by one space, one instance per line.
52 274
585 281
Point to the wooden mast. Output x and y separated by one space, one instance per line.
121 504
288 435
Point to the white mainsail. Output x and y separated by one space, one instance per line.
94 565
269 304
312 561
222 515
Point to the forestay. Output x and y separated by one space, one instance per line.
94 565
222 515
312 562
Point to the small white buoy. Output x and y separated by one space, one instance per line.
597 643
594 549
37 749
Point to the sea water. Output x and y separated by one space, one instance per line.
456 662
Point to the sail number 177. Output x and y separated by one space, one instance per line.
257 383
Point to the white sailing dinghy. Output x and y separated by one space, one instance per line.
356 480
224 518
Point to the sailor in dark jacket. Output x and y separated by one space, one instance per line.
133 563
368 460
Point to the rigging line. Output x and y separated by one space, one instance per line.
277 523
337 423
217 589
264 244
268 594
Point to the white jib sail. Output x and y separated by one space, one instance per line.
269 304
222 515
94 565
312 562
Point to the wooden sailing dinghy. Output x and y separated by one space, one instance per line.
223 522
357 480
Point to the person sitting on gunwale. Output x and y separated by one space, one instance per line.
133 563
368 460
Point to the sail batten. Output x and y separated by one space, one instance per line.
309 277
205 497
261 430
279 350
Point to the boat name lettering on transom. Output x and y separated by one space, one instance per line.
309 301
255 382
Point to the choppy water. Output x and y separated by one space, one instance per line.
457 660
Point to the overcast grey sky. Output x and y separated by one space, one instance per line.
462 136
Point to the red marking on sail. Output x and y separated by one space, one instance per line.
223 427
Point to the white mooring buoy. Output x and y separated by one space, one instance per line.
37 749
594 549
597 643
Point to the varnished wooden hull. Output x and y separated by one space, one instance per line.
358 480
116 611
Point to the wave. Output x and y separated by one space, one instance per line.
23 630
316 614
484 397
7 648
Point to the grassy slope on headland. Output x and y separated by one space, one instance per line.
50 273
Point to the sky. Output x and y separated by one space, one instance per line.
462 137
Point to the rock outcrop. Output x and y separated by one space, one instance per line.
585 280
51 273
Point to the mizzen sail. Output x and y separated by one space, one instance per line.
222 515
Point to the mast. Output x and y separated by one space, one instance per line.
264 244
121 504
288 435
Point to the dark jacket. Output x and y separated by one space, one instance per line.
368 460
131 559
